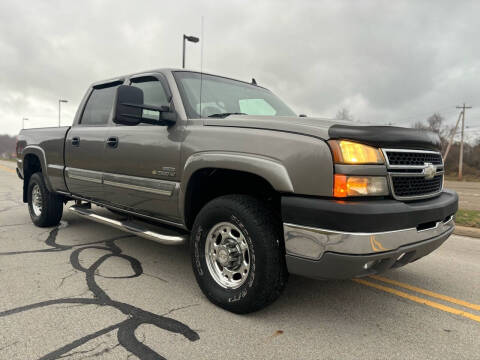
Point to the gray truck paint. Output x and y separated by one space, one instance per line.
148 173
150 169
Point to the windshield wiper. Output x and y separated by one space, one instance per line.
224 115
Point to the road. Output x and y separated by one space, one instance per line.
468 193
84 290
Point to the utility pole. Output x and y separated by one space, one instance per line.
23 122
460 160
60 101
452 136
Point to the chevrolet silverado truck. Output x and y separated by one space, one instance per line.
256 191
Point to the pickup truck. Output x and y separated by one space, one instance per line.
256 191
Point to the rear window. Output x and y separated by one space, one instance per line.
99 106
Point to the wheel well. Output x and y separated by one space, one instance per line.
206 184
31 165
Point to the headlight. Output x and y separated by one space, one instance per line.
349 152
345 185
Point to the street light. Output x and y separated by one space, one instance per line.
23 122
193 39
60 101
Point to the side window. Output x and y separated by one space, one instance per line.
99 105
153 94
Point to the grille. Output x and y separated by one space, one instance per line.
413 158
406 186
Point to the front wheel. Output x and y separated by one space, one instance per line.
237 253
45 208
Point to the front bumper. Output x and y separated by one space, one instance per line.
323 243
346 266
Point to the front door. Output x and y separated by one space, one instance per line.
141 162
85 145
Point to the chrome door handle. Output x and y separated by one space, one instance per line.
75 141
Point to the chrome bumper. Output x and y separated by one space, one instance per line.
312 243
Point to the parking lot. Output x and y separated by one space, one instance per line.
84 290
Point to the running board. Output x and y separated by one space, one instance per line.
130 227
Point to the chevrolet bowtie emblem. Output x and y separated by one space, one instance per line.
429 171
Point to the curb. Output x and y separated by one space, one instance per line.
467 231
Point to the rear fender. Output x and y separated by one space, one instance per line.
40 154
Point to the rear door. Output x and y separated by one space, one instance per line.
141 162
85 144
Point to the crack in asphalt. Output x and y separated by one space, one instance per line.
62 281
9 345
9 225
87 352
135 316
179 308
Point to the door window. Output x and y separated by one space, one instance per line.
153 94
99 106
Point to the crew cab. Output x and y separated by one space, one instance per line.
255 190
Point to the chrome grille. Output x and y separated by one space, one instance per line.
414 174
413 158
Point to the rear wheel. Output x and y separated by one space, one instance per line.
45 208
237 253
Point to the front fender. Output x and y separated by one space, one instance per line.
269 169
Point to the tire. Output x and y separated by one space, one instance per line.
251 222
50 210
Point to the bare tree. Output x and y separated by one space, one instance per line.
344 114
436 123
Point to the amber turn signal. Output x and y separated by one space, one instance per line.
344 186
349 152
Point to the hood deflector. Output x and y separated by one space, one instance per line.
387 136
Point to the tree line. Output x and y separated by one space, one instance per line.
471 151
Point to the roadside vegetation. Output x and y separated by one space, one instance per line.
471 148
469 218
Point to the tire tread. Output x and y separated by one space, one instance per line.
268 226
52 203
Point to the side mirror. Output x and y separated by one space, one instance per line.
128 105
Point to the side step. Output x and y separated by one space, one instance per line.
131 227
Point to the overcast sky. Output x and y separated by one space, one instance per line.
386 61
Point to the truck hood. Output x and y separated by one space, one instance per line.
379 136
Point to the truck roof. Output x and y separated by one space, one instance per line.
123 77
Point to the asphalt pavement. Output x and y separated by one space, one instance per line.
468 193
84 290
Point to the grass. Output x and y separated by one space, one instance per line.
468 218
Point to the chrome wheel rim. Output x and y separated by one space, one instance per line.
37 202
227 255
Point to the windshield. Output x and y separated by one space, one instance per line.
222 97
